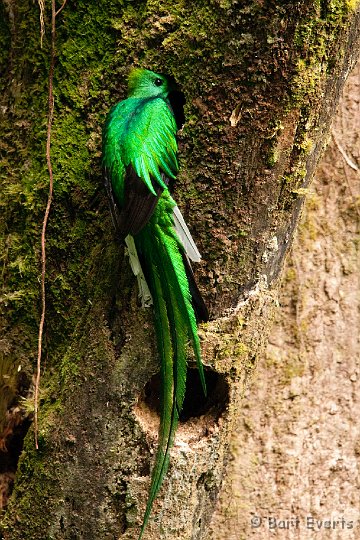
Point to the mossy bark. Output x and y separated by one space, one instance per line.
262 81
294 462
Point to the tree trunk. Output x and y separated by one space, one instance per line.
261 81
297 440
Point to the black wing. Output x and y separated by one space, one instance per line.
139 203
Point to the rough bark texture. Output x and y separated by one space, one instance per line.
262 81
294 471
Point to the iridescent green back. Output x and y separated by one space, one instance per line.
140 132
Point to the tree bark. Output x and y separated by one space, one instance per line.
262 81
294 470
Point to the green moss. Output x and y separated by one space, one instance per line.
309 230
290 274
352 4
317 40
294 367
273 157
286 367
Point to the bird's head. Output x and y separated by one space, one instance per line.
144 83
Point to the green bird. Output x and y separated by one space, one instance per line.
140 160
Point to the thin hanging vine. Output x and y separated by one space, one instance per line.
54 14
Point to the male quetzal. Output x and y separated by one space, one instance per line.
139 159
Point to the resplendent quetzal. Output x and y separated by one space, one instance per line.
139 159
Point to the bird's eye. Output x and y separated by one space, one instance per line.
158 82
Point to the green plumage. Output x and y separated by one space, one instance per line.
139 157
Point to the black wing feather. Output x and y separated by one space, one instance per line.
201 311
139 203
